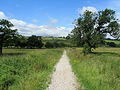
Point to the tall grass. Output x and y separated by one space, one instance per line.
22 69
98 71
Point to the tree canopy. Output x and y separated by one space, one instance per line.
34 41
6 27
92 28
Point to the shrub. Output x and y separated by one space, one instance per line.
49 45
111 44
54 44
34 42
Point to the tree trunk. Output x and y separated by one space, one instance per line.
1 44
87 48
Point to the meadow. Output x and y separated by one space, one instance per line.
27 69
97 71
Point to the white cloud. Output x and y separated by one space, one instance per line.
92 9
52 20
2 16
43 30
34 20
28 29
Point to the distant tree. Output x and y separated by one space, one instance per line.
68 36
49 45
20 41
55 44
108 39
91 28
34 42
111 44
61 44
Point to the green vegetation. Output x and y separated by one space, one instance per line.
53 38
27 69
115 41
97 71
34 41
61 41
91 28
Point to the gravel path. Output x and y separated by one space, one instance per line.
63 78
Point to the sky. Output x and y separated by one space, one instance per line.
50 17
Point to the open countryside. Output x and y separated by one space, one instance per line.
72 47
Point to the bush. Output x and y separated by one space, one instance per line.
54 44
61 44
111 44
49 45
34 42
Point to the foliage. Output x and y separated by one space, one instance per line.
34 42
20 41
13 39
54 44
49 45
5 26
111 44
92 28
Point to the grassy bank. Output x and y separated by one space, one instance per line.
99 71
27 69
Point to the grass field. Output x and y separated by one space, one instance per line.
52 38
58 40
27 69
98 71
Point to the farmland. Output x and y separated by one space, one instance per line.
27 69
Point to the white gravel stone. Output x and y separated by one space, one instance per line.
63 78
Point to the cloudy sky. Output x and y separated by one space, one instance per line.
50 17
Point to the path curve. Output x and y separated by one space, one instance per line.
63 78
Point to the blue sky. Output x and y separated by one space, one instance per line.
55 16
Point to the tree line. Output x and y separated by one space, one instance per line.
12 39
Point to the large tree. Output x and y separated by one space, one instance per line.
92 28
6 28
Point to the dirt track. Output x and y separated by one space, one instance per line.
63 78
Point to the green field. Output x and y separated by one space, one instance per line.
116 42
27 69
67 43
53 38
98 71
30 69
